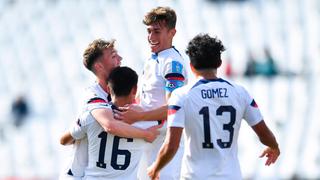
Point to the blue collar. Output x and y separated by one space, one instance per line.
205 81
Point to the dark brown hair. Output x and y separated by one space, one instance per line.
161 14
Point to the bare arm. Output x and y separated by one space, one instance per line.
133 113
267 138
167 151
105 118
66 139
155 114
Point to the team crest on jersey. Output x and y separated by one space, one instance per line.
172 109
254 104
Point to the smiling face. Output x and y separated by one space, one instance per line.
109 61
160 36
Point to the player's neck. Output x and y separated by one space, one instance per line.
206 74
165 48
103 85
121 101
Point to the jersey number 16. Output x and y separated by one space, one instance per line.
115 152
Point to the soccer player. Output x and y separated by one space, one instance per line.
163 73
100 57
210 112
114 150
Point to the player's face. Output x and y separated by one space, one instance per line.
159 37
110 59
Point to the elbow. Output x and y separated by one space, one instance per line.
63 141
66 139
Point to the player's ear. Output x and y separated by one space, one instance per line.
192 68
108 88
172 32
134 90
97 66
133 93
219 63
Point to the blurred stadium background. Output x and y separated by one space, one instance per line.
41 46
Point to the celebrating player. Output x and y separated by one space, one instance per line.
163 72
100 57
210 112
114 150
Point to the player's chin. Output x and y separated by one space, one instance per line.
154 48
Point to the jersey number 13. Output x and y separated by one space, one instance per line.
207 144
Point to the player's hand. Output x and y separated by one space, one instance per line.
152 173
272 155
129 114
153 132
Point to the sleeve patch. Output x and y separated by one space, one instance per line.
176 67
173 84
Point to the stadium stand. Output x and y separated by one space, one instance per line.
41 44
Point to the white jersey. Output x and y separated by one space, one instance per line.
163 72
210 111
110 156
94 94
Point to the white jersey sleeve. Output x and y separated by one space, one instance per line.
252 113
77 131
176 115
174 73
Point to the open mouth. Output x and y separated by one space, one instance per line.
154 43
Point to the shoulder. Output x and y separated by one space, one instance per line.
239 88
170 55
182 92
86 117
241 92
90 92
94 94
